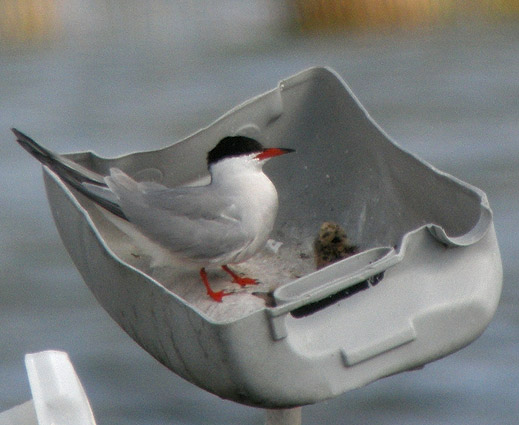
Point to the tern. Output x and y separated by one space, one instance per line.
224 222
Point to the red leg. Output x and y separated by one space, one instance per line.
217 296
242 281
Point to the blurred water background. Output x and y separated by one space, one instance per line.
116 76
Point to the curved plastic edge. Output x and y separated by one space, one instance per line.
469 238
478 231
58 395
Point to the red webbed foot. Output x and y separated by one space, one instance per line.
218 295
242 281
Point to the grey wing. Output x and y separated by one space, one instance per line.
191 222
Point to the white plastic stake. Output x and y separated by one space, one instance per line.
58 396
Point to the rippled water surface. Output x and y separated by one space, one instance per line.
450 96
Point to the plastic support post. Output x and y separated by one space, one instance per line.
284 416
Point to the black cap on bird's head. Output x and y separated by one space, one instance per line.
233 146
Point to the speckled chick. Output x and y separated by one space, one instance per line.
331 245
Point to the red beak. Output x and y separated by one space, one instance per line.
272 152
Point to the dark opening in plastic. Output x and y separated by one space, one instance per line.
314 307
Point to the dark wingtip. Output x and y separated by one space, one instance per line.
22 138
20 135
39 152
72 176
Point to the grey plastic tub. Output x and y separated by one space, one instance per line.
425 282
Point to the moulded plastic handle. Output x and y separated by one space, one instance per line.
334 278
309 290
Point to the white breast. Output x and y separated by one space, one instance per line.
255 199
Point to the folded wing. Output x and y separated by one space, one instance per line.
191 222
